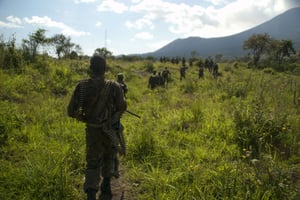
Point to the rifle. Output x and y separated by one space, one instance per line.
132 113
119 131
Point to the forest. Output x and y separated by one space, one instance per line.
234 136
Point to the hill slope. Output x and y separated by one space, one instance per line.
283 26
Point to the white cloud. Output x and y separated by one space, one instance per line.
48 22
233 17
9 25
180 18
144 22
99 23
241 15
113 6
135 1
84 1
144 36
159 44
13 22
217 2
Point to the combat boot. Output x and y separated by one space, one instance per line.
106 193
91 194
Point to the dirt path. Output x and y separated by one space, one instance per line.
121 189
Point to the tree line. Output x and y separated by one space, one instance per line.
37 43
262 49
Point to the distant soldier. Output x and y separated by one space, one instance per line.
211 65
215 69
182 72
201 69
160 79
206 63
183 61
190 62
166 75
153 80
120 80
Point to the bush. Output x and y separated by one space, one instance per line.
149 66
10 119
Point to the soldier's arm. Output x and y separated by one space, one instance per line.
74 103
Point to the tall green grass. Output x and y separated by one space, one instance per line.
234 137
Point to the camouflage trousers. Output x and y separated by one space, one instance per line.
101 157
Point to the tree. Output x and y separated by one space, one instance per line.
218 57
63 45
259 44
73 55
282 49
10 56
194 54
104 52
58 42
37 39
78 50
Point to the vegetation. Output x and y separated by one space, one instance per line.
275 50
231 137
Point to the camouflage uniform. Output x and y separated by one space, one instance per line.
215 70
120 80
166 73
182 72
201 69
153 80
99 103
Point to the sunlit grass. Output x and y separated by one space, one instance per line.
234 137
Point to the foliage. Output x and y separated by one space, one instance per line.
10 57
258 43
280 50
63 45
262 45
104 52
31 45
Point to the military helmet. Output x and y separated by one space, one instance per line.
97 64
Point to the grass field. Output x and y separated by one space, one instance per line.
231 137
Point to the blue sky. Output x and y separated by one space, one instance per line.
134 26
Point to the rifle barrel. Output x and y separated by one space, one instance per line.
133 114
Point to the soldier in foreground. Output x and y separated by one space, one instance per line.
99 103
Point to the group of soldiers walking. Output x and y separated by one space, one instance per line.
212 67
161 79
